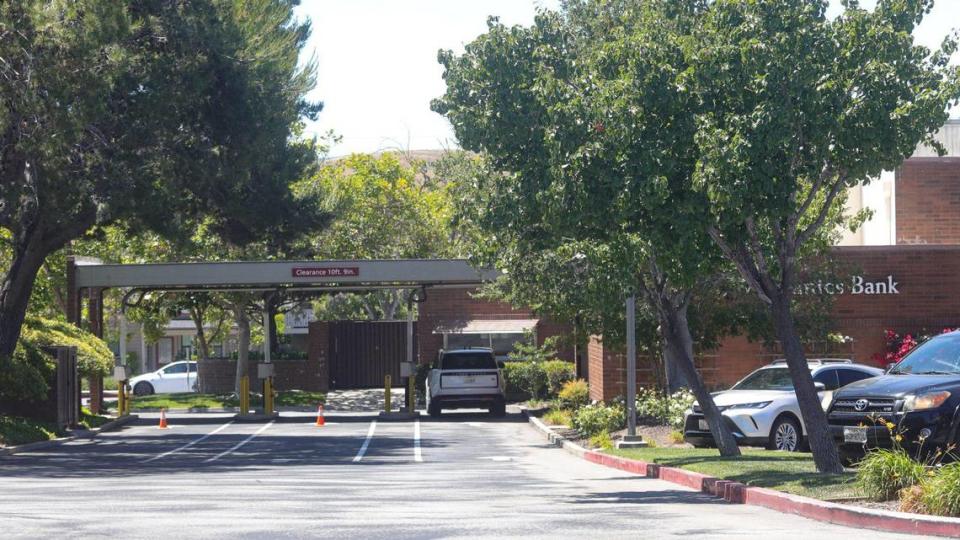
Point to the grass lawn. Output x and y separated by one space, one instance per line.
289 398
187 400
109 383
783 471
15 431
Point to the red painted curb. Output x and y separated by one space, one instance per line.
852 517
738 493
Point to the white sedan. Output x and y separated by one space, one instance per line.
762 409
170 379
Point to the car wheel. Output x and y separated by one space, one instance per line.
498 409
143 389
786 435
433 409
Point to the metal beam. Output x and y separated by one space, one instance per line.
282 274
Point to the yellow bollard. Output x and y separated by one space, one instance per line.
268 395
121 399
386 393
245 395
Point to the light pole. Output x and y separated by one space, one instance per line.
631 439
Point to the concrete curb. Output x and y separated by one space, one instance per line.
85 434
737 493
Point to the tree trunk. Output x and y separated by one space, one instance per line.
28 257
814 418
272 303
678 348
203 349
203 346
243 345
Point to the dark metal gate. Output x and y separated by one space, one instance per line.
361 353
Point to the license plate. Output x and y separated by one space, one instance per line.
703 425
855 435
469 380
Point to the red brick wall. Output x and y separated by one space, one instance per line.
457 305
928 200
927 279
218 376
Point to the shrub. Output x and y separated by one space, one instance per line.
941 492
16 430
25 377
602 441
593 419
513 378
93 355
558 417
574 394
654 407
526 350
884 473
676 437
533 379
557 373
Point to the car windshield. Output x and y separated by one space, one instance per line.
478 360
766 379
939 356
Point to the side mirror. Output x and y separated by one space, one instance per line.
501 364
819 386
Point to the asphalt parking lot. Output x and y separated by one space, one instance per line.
464 475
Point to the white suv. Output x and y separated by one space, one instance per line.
465 379
762 409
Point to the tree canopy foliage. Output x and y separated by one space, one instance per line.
689 132
145 112
385 206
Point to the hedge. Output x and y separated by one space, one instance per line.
26 376
93 355
537 380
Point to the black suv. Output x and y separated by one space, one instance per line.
920 395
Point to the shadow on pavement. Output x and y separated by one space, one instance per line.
647 497
456 417
125 456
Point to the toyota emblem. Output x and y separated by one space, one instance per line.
861 404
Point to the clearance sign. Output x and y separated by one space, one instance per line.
325 271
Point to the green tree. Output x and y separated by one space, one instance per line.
595 145
175 110
794 108
384 207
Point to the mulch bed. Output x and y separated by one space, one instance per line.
658 435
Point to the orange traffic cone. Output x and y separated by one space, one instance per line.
320 419
163 419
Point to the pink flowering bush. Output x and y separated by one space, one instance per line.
898 346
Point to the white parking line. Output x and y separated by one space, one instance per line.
366 442
239 444
189 444
417 456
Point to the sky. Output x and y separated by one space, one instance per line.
378 71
